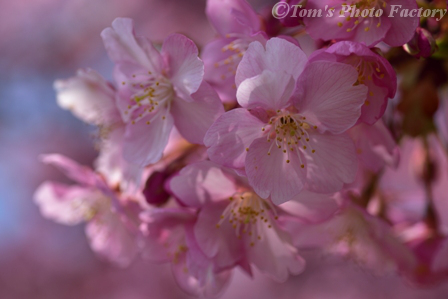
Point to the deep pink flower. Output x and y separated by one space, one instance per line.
290 132
158 91
92 99
374 71
394 31
111 235
237 227
237 25
170 238
431 253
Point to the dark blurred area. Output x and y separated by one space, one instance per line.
43 40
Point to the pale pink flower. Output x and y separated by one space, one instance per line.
158 90
394 31
374 71
366 239
237 25
111 235
236 227
375 146
376 150
92 99
169 237
290 133
402 190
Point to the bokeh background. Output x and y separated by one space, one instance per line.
42 40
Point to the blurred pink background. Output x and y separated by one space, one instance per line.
42 40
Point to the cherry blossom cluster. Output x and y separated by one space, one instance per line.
253 151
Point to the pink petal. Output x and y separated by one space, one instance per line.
279 55
269 90
326 28
345 49
219 243
401 29
73 170
232 16
271 175
230 136
327 96
164 231
69 205
403 191
374 34
193 119
332 164
202 182
144 144
89 97
220 75
124 47
375 105
186 70
111 163
210 282
375 146
314 207
111 239
275 256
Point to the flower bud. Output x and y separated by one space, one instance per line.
154 191
422 44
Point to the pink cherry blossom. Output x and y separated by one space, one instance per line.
170 238
402 189
158 91
237 25
375 146
111 235
290 133
92 99
366 239
374 71
237 227
394 31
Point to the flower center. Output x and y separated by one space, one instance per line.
235 49
248 213
367 70
151 94
356 17
290 133
90 208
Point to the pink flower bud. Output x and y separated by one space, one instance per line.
422 44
